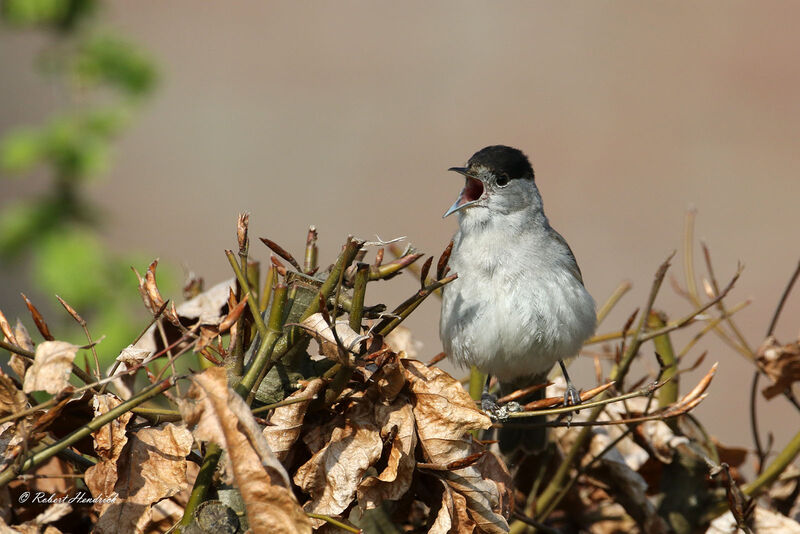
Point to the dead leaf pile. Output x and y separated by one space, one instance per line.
399 434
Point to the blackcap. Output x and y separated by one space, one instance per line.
519 304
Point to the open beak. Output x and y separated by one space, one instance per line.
472 192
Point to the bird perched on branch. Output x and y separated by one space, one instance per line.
518 305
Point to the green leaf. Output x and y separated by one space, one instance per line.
23 224
72 264
105 59
74 149
20 151
62 14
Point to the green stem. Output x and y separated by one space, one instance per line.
252 301
261 362
773 470
669 393
409 305
359 291
347 256
552 494
95 424
202 483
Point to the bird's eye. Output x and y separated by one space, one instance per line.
502 180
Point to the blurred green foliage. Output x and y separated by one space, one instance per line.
57 231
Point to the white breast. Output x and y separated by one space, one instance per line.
515 308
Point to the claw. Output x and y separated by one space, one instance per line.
571 395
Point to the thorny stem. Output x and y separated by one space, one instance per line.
710 326
773 470
691 281
284 402
721 305
95 424
347 256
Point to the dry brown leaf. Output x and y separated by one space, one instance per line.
152 467
51 367
216 413
10 443
323 334
444 414
397 422
333 474
132 356
23 337
627 486
781 363
207 307
109 441
12 400
452 515
52 513
390 379
169 511
287 421
17 363
6 330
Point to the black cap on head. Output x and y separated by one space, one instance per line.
503 159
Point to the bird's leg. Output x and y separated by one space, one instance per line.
571 395
488 401
490 406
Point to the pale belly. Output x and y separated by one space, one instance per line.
512 323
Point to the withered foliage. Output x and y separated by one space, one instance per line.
282 402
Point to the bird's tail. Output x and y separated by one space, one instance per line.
514 441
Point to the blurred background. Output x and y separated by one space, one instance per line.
347 115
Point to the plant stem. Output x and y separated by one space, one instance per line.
95 424
202 484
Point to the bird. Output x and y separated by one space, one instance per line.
519 304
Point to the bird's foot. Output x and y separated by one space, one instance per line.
496 411
489 403
571 395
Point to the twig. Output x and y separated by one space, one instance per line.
155 318
757 373
550 498
95 424
252 301
785 295
609 304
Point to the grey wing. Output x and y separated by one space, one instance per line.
572 263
